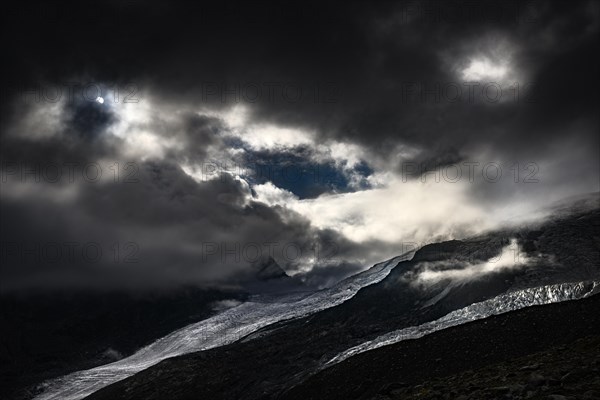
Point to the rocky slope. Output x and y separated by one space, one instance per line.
47 335
534 347
220 330
268 363
565 372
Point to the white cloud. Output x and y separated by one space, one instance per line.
490 59
511 257
137 126
221 305
271 137
40 121
261 136
272 195
485 69
401 211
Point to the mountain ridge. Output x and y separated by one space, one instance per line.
285 355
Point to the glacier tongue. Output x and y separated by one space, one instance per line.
497 305
219 330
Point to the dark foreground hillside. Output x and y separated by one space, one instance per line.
570 371
381 373
268 363
44 336
532 353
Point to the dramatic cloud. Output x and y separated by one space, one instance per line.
329 137
510 257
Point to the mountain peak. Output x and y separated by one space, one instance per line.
268 269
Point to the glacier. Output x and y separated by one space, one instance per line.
252 319
501 304
221 329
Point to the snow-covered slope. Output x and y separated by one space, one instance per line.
444 284
498 305
219 330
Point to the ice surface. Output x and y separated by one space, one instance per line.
497 305
221 329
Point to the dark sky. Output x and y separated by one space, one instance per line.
329 136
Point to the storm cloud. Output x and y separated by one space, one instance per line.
184 137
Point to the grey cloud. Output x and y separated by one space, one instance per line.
360 57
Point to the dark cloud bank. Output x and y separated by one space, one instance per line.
375 75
